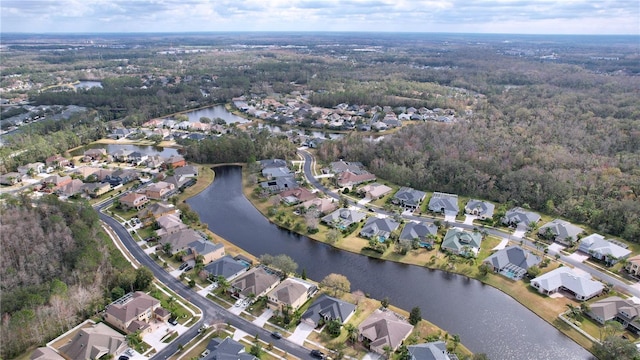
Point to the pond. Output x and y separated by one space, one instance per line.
214 112
111 148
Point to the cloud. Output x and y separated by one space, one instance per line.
542 16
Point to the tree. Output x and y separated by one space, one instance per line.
144 277
336 282
615 348
415 316
352 332
610 328
456 341
533 271
332 236
205 120
484 269
166 247
385 302
333 327
223 284
282 262
304 274
256 350
387 351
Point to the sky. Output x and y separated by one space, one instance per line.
602 17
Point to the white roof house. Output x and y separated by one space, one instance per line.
601 249
565 278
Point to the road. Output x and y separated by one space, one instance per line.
309 162
212 312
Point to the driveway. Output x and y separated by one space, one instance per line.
450 218
155 337
502 245
578 256
468 219
519 232
555 248
371 356
266 315
301 333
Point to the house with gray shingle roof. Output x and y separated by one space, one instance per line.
276 172
512 261
205 248
132 312
462 242
520 217
482 209
227 349
560 231
45 353
408 197
612 308
384 328
564 278
380 229
227 267
280 184
423 232
342 218
94 342
436 350
292 293
256 281
327 308
598 248
444 203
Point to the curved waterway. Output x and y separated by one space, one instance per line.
487 320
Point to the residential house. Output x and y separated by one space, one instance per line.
56 161
355 167
349 179
159 190
257 281
325 309
444 203
519 217
169 224
134 200
379 229
560 231
292 293
321 205
374 191
94 154
175 161
424 233
11 178
272 163
616 308
137 158
276 172
119 133
227 267
96 189
408 198
483 210
74 187
94 342
633 265
205 248
436 350
564 278
180 182
45 353
462 242
296 196
512 261
382 329
280 184
154 211
32 169
122 155
154 161
607 251
55 182
188 171
132 312
342 218
120 176
180 240
227 349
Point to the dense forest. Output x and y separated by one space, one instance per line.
239 146
58 268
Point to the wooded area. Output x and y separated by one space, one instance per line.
58 268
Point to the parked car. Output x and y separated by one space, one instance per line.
183 266
188 268
276 335
317 354
173 321
123 357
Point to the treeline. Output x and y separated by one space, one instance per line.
124 96
58 268
239 147
37 141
